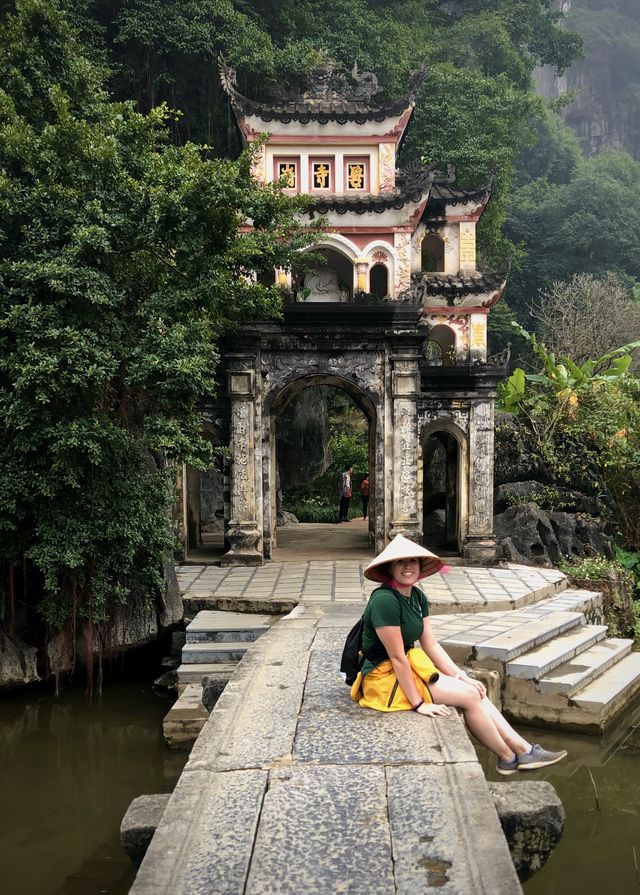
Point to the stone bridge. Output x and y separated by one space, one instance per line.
291 788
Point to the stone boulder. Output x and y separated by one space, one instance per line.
580 535
532 819
302 438
18 662
515 458
287 520
528 534
513 493
140 823
525 534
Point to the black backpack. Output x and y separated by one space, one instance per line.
353 655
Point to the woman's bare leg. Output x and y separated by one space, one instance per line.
511 737
479 720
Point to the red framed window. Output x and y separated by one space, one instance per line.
290 169
321 174
356 175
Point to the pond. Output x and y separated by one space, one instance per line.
596 853
69 770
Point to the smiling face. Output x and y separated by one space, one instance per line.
405 571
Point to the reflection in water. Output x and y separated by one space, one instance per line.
69 771
595 854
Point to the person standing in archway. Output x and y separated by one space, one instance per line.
364 495
344 493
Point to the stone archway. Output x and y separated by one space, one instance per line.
370 351
445 452
278 404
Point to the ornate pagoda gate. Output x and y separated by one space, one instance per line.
372 351
395 314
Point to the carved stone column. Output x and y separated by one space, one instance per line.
405 388
243 533
480 545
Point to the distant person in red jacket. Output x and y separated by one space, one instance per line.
364 494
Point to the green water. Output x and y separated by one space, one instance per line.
68 771
595 855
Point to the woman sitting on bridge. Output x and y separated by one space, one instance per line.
395 675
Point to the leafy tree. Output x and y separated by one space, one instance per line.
584 423
587 317
473 110
588 225
121 265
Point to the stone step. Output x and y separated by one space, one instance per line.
214 653
193 674
538 662
574 675
610 693
531 633
184 721
210 626
589 602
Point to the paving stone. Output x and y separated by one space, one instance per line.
333 729
532 633
198 653
537 662
323 830
445 833
195 850
575 674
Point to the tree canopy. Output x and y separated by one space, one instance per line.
122 262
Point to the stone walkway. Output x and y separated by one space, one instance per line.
293 788
461 589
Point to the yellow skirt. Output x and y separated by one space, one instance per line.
379 689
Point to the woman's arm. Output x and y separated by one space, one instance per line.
442 660
436 653
392 641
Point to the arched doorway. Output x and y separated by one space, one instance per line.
379 281
432 253
442 487
331 279
317 387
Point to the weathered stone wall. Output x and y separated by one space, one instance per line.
302 438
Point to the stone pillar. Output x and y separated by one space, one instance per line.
362 265
480 545
405 388
243 534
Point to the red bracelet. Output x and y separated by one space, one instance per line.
414 708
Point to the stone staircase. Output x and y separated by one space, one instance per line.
215 642
557 669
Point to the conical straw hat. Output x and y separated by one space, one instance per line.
403 548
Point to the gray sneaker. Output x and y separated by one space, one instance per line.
539 758
507 767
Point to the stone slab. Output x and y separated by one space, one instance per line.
140 823
196 850
323 830
571 676
619 682
194 673
253 724
445 833
507 646
333 729
201 653
538 662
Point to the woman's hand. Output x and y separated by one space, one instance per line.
429 709
478 685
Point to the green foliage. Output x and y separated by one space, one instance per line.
589 568
630 560
549 498
473 111
121 264
585 423
588 224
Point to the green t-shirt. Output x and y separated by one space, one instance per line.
385 608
